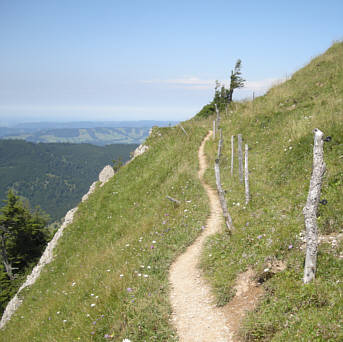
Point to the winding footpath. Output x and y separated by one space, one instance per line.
195 316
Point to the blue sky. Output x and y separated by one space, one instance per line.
133 60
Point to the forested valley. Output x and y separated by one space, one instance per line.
54 176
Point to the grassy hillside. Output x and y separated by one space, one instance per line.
54 176
109 280
117 252
278 129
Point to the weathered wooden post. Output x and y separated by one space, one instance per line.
218 115
246 175
220 144
183 130
311 207
214 129
240 158
232 153
227 217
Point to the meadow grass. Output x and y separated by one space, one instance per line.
278 129
109 279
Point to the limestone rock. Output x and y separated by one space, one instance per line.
106 174
140 150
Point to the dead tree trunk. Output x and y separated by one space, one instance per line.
5 261
311 207
214 129
240 158
246 176
227 217
232 153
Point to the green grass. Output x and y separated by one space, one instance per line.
278 129
126 228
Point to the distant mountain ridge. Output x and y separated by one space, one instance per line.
92 132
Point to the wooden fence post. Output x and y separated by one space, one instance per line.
220 144
232 153
214 129
240 158
246 176
311 207
227 217
218 115
183 130
221 194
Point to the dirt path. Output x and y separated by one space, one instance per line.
195 316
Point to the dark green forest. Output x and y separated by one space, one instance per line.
54 176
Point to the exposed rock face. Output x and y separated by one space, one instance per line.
106 174
140 150
90 191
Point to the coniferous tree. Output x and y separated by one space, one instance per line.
23 233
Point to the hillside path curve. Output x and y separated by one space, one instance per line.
195 316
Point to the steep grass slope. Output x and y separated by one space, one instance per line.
278 129
110 275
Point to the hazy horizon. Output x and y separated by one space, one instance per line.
111 60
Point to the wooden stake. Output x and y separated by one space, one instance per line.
232 153
240 158
227 217
246 175
218 115
183 130
311 207
220 144
173 200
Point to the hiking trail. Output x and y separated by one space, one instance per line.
195 315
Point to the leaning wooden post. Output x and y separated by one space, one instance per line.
232 153
227 217
240 158
311 207
183 130
246 176
214 129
